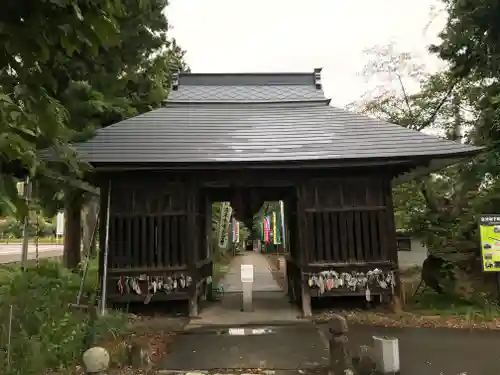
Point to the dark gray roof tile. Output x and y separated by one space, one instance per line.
258 132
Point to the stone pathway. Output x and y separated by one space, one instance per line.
270 304
264 348
263 277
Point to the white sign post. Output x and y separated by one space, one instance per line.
247 273
59 225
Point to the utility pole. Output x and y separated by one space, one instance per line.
27 198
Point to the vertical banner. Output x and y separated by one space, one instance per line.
275 233
233 230
489 229
237 231
225 218
225 240
282 226
266 229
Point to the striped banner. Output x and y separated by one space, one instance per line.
266 229
275 233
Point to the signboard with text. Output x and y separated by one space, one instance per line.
247 273
489 229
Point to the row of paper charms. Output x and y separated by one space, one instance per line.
151 285
328 280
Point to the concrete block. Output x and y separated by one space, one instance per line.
386 352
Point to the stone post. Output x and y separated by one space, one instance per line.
96 361
386 351
340 357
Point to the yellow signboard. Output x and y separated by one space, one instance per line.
489 228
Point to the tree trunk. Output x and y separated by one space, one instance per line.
89 221
72 231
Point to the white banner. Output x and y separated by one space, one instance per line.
225 216
225 239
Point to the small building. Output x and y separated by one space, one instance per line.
411 250
250 138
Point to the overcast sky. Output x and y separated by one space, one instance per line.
299 35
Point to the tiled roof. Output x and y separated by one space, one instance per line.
258 132
247 88
254 118
278 93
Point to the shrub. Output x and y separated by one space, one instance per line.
46 332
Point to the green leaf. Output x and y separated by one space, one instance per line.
77 10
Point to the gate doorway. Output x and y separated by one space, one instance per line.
240 220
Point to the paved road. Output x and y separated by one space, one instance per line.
12 252
437 351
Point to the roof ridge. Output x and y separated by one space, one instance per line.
324 101
247 79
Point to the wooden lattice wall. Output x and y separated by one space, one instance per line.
348 220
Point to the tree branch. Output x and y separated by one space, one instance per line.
434 114
407 99
429 200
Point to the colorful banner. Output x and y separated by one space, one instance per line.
282 225
236 231
266 229
489 229
271 228
275 233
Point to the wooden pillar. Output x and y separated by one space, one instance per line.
192 240
72 230
209 246
391 223
391 244
303 252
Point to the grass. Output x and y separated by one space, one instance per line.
47 334
9 270
221 267
431 303
41 241
428 309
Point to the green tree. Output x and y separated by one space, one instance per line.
441 207
471 38
36 39
93 65
91 86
